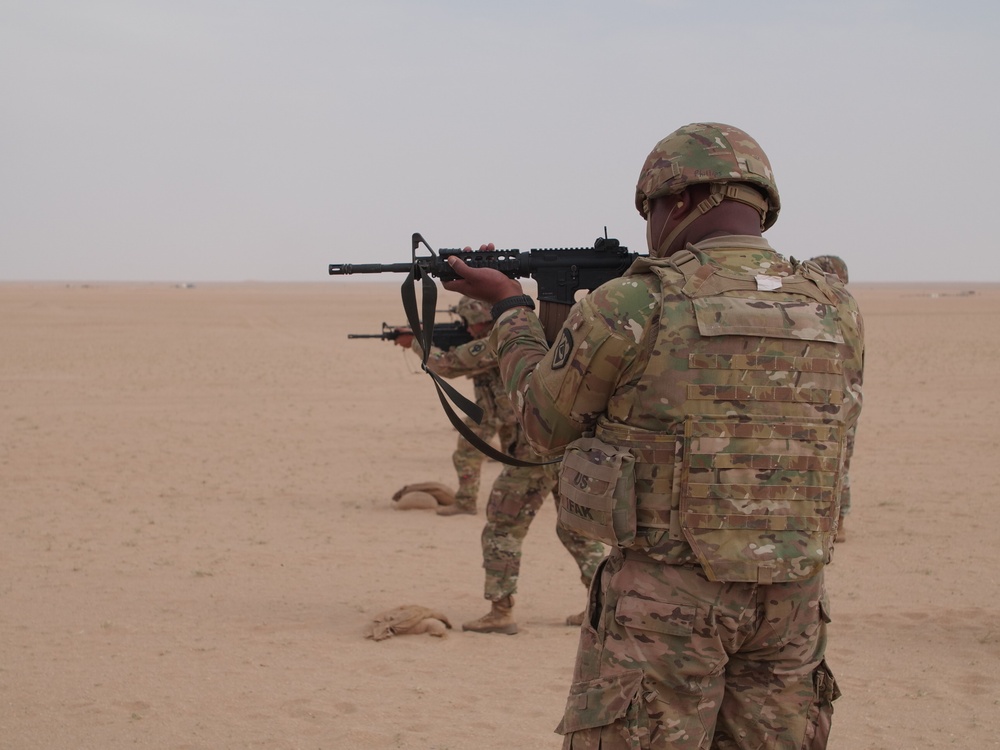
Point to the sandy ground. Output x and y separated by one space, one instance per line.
195 526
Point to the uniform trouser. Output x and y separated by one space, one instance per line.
468 460
515 500
669 659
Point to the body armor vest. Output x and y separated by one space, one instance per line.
755 392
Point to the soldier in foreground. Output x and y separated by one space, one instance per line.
702 402
518 492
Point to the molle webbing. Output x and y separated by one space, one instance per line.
767 362
710 281
656 489
760 475
759 498
771 393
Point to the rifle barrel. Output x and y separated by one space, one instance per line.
346 269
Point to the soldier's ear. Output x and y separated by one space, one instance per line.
684 201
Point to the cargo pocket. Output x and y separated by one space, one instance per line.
607 714
658 617
681 654
824 606
591 648
820 716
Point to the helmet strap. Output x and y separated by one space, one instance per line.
719 191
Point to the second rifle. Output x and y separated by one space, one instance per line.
444 336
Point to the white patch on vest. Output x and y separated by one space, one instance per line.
767 283
636 330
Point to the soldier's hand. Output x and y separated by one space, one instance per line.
404 338
485 284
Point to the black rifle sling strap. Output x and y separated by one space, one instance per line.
424 334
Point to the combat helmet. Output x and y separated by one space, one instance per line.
472 311
710 152
832 264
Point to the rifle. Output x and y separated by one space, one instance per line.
444 336
559 272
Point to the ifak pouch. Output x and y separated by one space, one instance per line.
597 492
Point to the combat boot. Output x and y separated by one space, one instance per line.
456 510
500 619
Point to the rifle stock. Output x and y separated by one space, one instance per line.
552 315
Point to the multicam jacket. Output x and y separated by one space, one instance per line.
476 360
733 381
469 359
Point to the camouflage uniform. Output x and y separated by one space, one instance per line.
731 382
832 264
516 497
475 360
518 492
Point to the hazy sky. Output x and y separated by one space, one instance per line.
214 140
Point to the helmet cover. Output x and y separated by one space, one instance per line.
706 153
472 311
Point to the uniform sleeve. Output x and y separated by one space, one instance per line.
469 359
559 393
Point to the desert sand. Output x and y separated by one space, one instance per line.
196 525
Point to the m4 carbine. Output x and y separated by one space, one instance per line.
444 336
559 272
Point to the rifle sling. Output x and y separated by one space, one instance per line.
425 335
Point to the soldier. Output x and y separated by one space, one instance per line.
832 264
518 492
702 401
476 361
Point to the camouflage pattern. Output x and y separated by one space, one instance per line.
518 492
735 382
467 458
472 311
466 360
475 360
845 487
832 264
703 153
669 659
516 497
